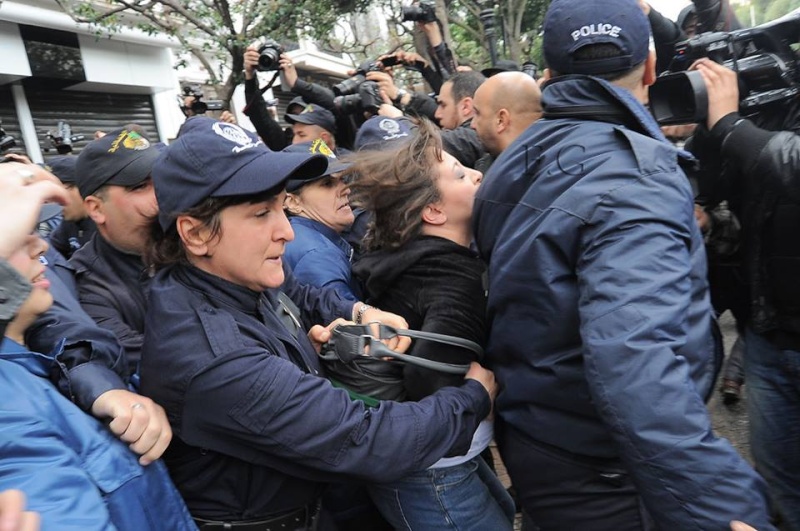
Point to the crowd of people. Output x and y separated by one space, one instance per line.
217 334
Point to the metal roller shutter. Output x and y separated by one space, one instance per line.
10 122
87 112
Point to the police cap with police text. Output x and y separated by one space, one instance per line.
569 25
217 159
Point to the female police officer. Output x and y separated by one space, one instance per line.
257 430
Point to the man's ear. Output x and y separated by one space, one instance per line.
503 120
195 236
650 75
327 138
465 108
293 203
433 214
94 209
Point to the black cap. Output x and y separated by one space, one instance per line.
218 159
314 114
296 101
63 167
122 157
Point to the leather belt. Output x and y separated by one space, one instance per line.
297 520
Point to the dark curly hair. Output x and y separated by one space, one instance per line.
396 185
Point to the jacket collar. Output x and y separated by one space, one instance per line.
593 98
334 237
219 289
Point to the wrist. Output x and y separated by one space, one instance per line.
398 99
359 309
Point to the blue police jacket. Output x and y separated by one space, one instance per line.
599 316
74 472
257 429
319 256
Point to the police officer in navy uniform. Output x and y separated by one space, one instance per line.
258 428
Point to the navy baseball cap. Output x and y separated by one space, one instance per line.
218 159
380 132
123 157
316 147
63 167
313 114
569 25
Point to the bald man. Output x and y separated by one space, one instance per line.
504 106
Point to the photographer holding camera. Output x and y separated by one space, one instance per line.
268 129
760 177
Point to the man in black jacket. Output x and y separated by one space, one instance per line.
114 180
454 115
760 168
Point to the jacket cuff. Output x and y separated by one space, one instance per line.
741 140
483 403
90 380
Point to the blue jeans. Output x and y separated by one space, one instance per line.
773 405
463 497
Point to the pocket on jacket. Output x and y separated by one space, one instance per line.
784 283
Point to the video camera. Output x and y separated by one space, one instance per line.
368 99
6 141
763 57
351 84
424 12
63 138
269 55
199 106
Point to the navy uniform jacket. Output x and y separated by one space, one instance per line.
599 316
70 236
257 430
112 285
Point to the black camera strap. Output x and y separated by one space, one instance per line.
349 342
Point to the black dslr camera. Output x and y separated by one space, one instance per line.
424 12
763 57
367 99
198 106
269 55
6 141
351 84
62 139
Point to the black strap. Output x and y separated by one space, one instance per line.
348 342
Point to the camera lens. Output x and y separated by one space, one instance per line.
269 58
347 104
349 86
